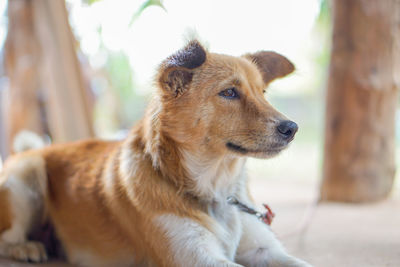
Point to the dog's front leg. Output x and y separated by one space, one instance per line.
260 248
191 244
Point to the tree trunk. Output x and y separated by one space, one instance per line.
362 97
68 108
46 92
22 107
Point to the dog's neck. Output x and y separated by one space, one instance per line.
206 176
214 178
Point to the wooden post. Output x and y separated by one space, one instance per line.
68 108
362 97
21 65
46 93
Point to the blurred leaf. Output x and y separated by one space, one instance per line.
91 1
145 5
324 17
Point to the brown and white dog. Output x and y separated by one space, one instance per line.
159 198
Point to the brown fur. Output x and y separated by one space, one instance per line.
102 196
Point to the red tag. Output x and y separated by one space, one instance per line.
268 216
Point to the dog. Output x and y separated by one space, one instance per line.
159 197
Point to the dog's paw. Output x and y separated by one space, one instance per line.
28 252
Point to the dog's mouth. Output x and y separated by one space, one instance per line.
269 151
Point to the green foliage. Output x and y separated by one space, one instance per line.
121 78
119 74
145 5
119 69
323 28
324 17
90 2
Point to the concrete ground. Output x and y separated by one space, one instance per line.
345 235
336 234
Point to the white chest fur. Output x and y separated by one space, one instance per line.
195 244
229 225
216 179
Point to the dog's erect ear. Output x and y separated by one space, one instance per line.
176 72
271 65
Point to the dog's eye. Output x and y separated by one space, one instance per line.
229 93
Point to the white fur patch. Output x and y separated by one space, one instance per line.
259 246
191 243
257 243
227 220
22 209
26 183
26 140
214 178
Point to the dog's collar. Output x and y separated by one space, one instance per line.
264 217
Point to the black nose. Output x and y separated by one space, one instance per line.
287 129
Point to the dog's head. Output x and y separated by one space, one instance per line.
215 103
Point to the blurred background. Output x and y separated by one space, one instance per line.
84 68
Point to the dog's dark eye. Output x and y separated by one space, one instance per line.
229 93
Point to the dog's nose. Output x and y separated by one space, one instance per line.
287 129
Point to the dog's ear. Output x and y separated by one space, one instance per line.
271 65
176 72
